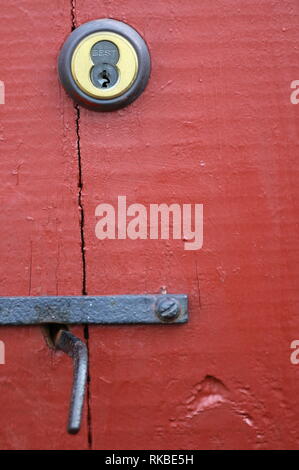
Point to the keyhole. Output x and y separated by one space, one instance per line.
104 79
104 76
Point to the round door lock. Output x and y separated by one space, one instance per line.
104 65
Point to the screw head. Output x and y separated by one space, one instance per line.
168 309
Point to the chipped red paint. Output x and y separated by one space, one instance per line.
215 126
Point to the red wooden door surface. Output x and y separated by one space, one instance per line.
215 126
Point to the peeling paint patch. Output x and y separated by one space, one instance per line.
246 418
207 394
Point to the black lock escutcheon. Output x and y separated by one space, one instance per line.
104 64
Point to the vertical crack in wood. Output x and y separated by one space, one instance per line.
80 203
81 208
73 14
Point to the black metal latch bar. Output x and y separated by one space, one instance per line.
96 310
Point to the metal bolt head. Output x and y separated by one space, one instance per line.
168 309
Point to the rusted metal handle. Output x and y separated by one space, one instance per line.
76 349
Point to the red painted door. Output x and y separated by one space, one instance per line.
215 126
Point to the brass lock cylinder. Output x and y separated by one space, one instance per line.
104 64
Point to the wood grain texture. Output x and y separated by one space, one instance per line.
215 126
40 220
